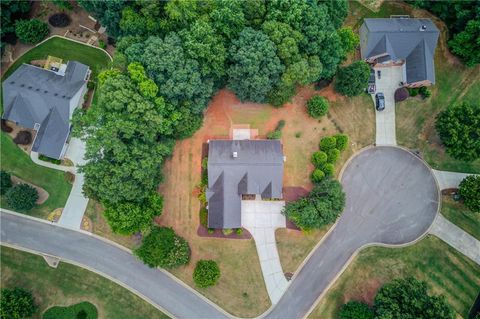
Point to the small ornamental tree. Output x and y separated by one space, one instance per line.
469 190
342 142
356 310
327 143
317 106
21 197
31 31
163 248
328 169
353 79
459 130
319 158
6 182
333 155
408 298
16 303
317 175
206 273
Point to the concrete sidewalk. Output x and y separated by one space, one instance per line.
449 179
261 218
457 238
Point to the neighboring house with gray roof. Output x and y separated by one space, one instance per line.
44 100
405 42
237 168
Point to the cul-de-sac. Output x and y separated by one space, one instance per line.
204 159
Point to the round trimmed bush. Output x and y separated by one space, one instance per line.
23 138
469 190
317 106
327 143
401 94
5 127
317 175
21 197
206 273
319 158
333 155
31 31
59 20
6 182
16 303
356 310
342 142
328 169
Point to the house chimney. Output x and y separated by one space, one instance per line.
423 27
235 154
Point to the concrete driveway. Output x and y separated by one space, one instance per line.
388 83
261 219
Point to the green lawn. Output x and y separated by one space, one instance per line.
464 218
445 270
68 285
18 163
66 50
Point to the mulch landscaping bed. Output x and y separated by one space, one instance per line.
292 193
203 232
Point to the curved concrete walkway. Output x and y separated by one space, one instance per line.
457 238
449 179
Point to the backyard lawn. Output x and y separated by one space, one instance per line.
18 163
464 218
66 50
68 285
445 270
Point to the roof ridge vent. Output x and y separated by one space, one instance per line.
235 154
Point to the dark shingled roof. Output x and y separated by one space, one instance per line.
402 38
35 95
257 169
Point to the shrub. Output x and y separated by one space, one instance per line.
274 135
413 91
49 159
227 231
127 218
102 44
280 125
211 230
163 248
59 20
407 298
401 94
317 106
16 303
317 175
328 169
321 207
239 231
205 163
342 142
333 155
23 138
90 85
459 130
204 217
31 31
63 4
82 310
353 79
425 92
202 196
21 197
356 310
298 134
319 158
327 143
5 127
206 273
5 182
469 190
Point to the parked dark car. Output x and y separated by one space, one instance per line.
380 101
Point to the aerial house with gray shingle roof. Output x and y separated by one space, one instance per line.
405 42
44 100
237 168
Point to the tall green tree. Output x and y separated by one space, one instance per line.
353 79
16 303
469 190
108 13
255 67
466 44
227 18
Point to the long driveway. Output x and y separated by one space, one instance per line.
392 198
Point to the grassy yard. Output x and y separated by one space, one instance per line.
445 270
68 285
66 50
18 163
461 216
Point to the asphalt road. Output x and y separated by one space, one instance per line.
392 198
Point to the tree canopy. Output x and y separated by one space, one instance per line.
459 130
353 79
469 190
31 31
16 303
